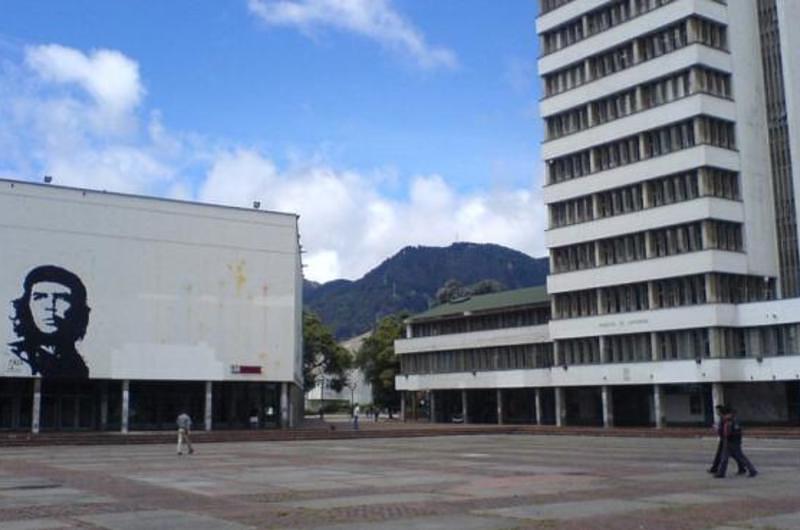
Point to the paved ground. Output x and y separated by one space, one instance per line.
478 482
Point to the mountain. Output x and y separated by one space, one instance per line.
408 281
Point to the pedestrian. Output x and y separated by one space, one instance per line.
732 445
184 423
356 412
718 428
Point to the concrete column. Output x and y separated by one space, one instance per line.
654 345
647 195
638 97
284 405
499 407
408 331
37 405
561 410
714 343
432 405
603 349
608 406
717 395
104 406
694 81
402 406
642 150
538 405
711 288
209 404
556 354
464 406
691 31
126 395
706 237
590 118
658 409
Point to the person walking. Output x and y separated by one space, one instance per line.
356 413
184 423
732 446
721 409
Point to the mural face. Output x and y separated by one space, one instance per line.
49 318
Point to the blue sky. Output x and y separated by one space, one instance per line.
382 123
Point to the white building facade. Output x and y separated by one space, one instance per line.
672 135
121 311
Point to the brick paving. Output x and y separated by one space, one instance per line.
476 482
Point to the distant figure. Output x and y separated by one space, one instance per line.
254 419
49 318
732 446
719 426
184 423
356 413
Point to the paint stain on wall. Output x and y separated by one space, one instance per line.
239 277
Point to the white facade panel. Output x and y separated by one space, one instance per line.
629 30
752 138
688 317
641 73
676 162
651 218
788 13
476 339
650 269
176 291
639 122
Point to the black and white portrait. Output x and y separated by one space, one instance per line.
49 319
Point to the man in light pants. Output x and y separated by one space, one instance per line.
184 428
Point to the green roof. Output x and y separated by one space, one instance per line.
487 302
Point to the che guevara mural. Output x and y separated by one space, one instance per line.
49 319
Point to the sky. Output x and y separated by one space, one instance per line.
381 123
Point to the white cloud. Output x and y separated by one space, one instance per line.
374 19
348 226
349 222
109 77
77 116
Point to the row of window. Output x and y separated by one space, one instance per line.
548 5
648 144
692 30
679 187
636 347
506 319
594 22
514 357
661 242
664 293
652 94
762 341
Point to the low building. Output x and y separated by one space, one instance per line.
121 311
489 359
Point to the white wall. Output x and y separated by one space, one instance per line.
752 139
177 290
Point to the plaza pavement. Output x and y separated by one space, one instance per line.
476 482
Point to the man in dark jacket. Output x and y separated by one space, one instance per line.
721 409
732 445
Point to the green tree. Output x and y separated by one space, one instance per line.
378 362
322 355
